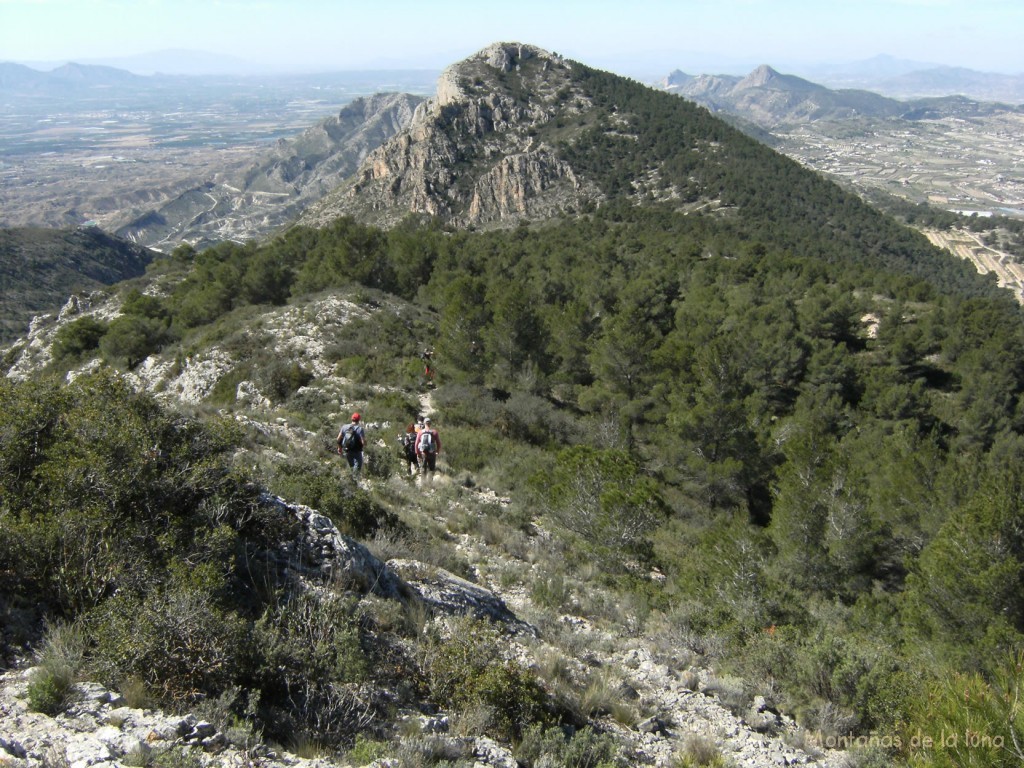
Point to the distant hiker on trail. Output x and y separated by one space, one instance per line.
408 443
351 441
428 369
428 445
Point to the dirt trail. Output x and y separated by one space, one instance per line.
427 403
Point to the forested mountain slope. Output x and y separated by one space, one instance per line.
734 417
517 135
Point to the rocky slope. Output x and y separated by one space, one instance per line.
99 728
481 153
269 194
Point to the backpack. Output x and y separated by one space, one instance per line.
349 441
426 442
409 446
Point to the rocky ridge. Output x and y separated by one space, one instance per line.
473 155
298 332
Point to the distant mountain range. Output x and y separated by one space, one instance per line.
902 78
945 80
17 79
884 75
768 99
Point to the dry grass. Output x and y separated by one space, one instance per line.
700 752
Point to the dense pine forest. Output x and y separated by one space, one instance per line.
794 409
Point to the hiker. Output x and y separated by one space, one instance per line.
408 443
428 445
428 370
351 440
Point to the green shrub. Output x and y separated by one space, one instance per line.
967 720
471 449
602 694
309 660
550 591
467 669
367 750
585 748
280 379
428 751
492 461
139 756
77 338
60 660
604 500
467 405
132 338
327 487
700 752
225 390
178 642
397 407
49 690
136 694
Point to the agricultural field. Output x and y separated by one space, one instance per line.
968 245
972 165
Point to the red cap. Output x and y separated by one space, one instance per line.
355 417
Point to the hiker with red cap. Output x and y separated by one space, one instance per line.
351 439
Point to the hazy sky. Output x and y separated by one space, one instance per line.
626 36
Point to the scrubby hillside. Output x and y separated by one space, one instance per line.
40 268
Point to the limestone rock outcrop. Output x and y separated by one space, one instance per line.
481 153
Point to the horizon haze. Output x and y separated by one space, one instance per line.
644 39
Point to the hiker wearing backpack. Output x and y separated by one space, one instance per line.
408 442
428 445
351 440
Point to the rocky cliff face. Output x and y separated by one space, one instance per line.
274 190
481 153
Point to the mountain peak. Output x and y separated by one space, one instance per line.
503 58
759 77
677 78
507 56
482 152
